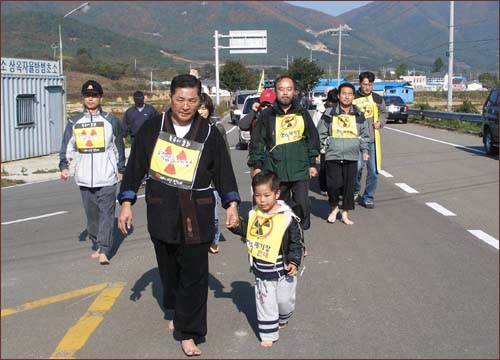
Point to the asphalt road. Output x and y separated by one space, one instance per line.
405 281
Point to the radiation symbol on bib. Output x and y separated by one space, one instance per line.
89 137
367 110
344 121
261 227
288 122
173 160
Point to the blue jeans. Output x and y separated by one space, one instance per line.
216 222
371 176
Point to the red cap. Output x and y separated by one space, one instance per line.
267 96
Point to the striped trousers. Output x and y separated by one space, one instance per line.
275 302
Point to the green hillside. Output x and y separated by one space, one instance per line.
384 33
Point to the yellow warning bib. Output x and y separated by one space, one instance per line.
367 106
89 137
289 128
175 160
265 233
344 126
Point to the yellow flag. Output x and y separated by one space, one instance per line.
261 82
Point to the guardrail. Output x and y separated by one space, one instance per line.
474 118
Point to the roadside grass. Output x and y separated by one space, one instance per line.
455 125
10 182
45 171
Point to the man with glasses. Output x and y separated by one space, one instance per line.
373 108
186 158
93 138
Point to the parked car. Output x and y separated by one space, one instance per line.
313 99
397 110
237 104
489 123
244 137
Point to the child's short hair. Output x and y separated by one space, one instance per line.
264 177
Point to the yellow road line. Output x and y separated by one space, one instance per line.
53 299
78 335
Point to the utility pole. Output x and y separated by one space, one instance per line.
450 60
338 32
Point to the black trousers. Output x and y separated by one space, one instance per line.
341 180
296 195
184 276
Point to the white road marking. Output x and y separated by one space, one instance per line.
490 240
435 140
234 127
385 173
440 209
34 218
406 188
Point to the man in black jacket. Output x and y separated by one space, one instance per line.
184 156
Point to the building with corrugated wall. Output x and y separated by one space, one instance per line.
32 108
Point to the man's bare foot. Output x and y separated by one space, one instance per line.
266 344
103 259
333 215
171 325
189 348
282 326
95 255
345 219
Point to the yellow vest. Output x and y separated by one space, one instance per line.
289 128
175 160
89 137
344 127
265 233
367 106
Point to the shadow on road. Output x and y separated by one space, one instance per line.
243 296
150 277
118 238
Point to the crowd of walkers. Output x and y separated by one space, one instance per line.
182 157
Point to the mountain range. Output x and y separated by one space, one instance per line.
177 33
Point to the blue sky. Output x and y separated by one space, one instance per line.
330 7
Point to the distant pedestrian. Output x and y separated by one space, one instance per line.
207 111
93 139
136 115
344 133
330 102
275 246
373 108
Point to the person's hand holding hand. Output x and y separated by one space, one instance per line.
65 174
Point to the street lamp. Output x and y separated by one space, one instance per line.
83 8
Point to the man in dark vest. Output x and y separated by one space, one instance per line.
183 155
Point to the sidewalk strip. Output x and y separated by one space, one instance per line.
440 209
34 218
385 174
407 188
77 336
53 299
481 235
